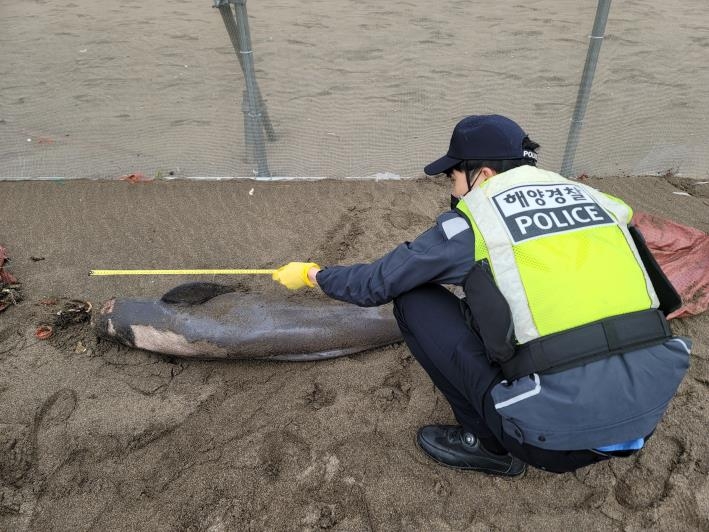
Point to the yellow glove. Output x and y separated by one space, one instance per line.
294 275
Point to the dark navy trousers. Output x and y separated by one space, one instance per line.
433 326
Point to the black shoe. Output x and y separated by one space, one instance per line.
451 446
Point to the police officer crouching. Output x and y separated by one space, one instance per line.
560 354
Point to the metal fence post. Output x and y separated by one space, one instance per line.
589 69
255 117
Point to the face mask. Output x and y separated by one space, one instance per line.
454 202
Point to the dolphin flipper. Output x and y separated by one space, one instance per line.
195 293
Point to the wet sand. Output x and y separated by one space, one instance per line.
96 436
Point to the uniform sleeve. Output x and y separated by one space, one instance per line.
443 254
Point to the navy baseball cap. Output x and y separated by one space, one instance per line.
482 137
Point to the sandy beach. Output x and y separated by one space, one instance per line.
95 436
100 437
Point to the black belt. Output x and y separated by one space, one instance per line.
584 344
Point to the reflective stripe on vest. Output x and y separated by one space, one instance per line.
559 250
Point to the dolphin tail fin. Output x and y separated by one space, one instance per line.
195 293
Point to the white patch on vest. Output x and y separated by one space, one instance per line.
538 210
454 226
521 397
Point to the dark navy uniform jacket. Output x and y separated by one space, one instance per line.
443 254
616 399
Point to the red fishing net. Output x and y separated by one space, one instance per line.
683 254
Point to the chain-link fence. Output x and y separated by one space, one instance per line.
351 88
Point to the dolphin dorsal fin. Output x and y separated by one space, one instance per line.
195 293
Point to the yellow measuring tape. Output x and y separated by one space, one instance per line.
181 272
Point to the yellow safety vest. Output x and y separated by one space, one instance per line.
559 250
